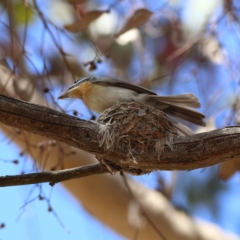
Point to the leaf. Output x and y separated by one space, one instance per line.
83 24
22 14
211 48
24 88
139 17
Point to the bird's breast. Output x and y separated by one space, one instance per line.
98 98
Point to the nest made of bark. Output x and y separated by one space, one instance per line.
139 127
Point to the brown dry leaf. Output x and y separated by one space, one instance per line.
24 88
211 48
228 168
83 23
139 17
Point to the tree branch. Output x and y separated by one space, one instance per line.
196 151
52 176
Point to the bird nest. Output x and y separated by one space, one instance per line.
137 127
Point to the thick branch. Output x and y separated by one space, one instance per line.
52 176
200 150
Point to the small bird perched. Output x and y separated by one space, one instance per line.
102 93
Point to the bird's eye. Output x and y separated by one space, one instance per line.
75 81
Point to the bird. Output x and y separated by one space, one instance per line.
100 93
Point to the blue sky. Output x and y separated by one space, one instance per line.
35 221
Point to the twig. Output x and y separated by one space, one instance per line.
52 177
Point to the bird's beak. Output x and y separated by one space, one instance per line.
64 95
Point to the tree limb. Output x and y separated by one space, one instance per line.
196 151
52 176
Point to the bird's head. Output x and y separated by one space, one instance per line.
75 90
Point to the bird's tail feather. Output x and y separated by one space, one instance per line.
182 129
177 106
186 114
183 100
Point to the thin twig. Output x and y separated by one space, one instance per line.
52 176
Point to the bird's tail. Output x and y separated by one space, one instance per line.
183 100
177 106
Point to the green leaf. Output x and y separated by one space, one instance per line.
22 13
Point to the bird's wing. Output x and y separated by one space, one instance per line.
122 84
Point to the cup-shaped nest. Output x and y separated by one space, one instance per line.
135 127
